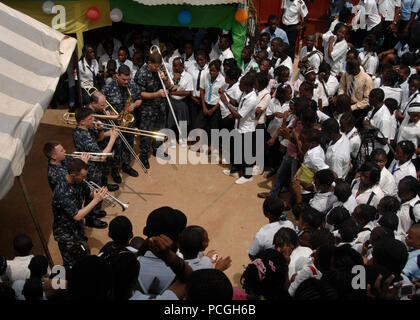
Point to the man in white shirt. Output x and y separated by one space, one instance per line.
17 269
390 12
373 19
379 118
366 188
347 122
337 156
409 212
309 56
245 125
224 45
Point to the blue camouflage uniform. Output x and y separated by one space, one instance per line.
117 97
56 173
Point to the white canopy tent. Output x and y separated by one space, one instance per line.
32 58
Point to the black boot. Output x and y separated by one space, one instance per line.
116 175
113 187
130 171
145 162
93 222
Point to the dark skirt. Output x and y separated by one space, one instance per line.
181 112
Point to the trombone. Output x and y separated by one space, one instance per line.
94 156
110 198
152 134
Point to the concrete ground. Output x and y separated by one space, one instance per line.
231 213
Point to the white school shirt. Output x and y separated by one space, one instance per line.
264 237
363 198
17 269
264 99
127 62
87 72
101 51
337 156
372 15
314 159
350 204
382 121
168 63
338 53
387 183
194 71
415 97
273 107
288 63
185 84
399 172
409 131
314 60
392 93
188 62
355 142
403 214
394 126
369 62
246 109
364 235
327 89
298 255
211 90
103 61
293 10
226 54
387 8
322 201
199 263
235 93
405 92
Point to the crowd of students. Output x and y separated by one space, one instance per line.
341 135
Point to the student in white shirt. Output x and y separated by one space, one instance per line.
291 20
402 166
324 195
344 196
123 59
170 54
368 58
110 71
337 155
137 45
347 122
387 181
366 188
306 90
328 86
209 116
17 269
392 106
380 119
410 127
198 71
273 209
264 42
284 59
390 12
309 56
183 88
335 48
108 55
403 75
389 79
373 19
248 63
191 245
225 42
409 212
264 98
245 125
413 96
117 44
88 70
188 55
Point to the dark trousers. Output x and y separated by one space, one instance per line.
149 119
274 155
389 41
292 34
207 123
242 164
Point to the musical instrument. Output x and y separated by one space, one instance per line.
156 48
152 134
94 156
126 116
110 198
70 117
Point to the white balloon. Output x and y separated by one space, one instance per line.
116 15
47 7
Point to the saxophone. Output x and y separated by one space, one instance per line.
126 116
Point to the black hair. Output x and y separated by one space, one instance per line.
337 27
413 77
324 177
374 169
377 152
231 62
49 148
301 104
125 70
392 104
312 217
368 213
125 271
308 116
344 15
248 80
201 53
389 77
348 231
407 148
90 279
348 118
208 285
32 289
228 37
154 57
6 293
312 135
215 63
337 216
389 220
22 244
281 92
306 86
120 230
416 163
262 79
272 17
274 207
370 40
82 113
125 49
38 266
343 103
353 66
265 34
330 126
285 236
354 52
76 165
233 74
407 59
342 191
405 69
179 60
315 289
298 209
190 242
274 267
324 67
389 204
411 184
377 94
279 70
392 254
321 237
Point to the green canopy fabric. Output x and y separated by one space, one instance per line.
217 16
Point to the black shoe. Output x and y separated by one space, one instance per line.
116 176
270 173
130 171
145 162
95 223
99 214
113 187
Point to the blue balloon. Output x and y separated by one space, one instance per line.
184 17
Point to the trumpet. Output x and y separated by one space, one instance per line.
94 156
110 198
152 134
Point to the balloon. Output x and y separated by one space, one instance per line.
184 17
93 13
47 7
241 15
116 15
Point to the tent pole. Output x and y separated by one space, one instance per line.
32 212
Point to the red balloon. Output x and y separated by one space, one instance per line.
93 13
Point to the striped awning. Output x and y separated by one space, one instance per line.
32 58
189 2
